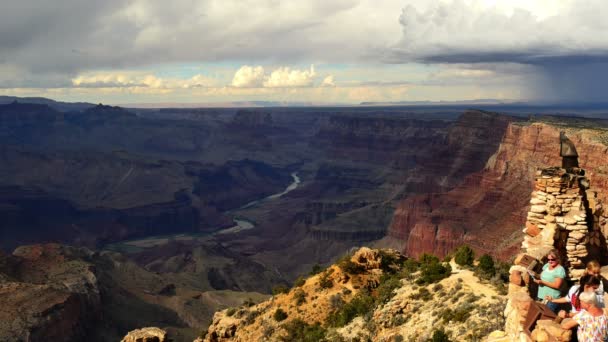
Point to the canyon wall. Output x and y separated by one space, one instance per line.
488 209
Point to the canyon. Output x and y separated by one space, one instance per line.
168 180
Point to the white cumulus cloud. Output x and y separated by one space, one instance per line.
248 77
282 77
138 80
287 78
328 81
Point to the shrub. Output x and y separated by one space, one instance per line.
388 284
316 269
439 335
298 330
324 281
410 266
248 302
299 282
348 266
299 296
428 259
390 263
485 267
459 314
251 317
360 305
464 256
422 294
279 315
336 302
278 289
502 270
433 271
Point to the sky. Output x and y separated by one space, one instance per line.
313 51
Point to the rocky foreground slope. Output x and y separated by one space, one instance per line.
373 295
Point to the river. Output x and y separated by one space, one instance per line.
244 224
240 225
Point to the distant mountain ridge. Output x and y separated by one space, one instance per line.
57 105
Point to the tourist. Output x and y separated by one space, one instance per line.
593 268
588 283
551 280
591 321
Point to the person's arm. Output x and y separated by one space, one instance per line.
569 324
558 300
556 284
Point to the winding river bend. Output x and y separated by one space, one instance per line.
242 224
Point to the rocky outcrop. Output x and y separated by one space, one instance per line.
151 334
49 293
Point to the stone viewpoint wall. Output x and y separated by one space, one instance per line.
564 214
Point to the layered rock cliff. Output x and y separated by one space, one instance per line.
488 208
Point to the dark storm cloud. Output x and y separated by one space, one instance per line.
567 51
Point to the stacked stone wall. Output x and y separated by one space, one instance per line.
558 218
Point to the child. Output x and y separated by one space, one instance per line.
593 268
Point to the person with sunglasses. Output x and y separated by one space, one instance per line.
551 280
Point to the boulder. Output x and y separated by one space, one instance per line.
151 334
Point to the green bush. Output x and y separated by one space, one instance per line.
251 316
426 258
432 271
390 263
248 302
299 296
279 315
299 282
388 284
336 302
422 294
278 289
360 305
316 269
502 270
439 335
485 267
324 281
459 314
348 266
464 256
411 265
298 330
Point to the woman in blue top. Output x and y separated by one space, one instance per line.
551 280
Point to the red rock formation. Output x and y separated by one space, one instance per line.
487 210
48 294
